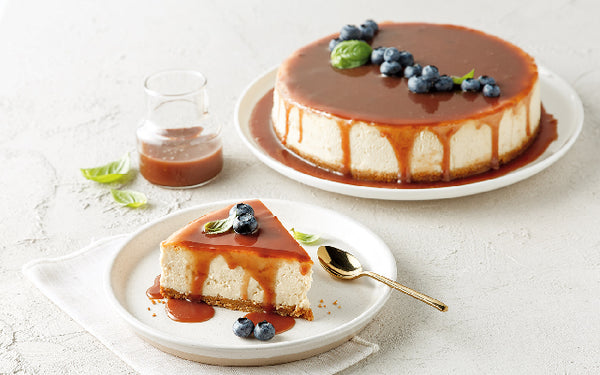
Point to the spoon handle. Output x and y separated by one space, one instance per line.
413 293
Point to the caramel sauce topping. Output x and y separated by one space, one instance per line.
307 79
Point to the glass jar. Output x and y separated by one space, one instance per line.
178 143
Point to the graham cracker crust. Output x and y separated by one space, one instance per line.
240 305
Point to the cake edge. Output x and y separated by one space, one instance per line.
418 177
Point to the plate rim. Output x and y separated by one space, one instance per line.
569 95
343 332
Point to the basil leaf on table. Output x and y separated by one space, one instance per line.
129 198
110 172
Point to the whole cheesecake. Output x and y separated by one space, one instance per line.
359 122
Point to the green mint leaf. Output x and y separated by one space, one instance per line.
110 172
459 80
307 239
350 54
129 198
219 226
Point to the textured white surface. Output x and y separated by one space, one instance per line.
519 267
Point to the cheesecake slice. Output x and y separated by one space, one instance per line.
264 271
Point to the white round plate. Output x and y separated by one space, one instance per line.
558 98
136 264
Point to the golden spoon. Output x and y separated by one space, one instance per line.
345 266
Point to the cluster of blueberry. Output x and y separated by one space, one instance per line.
393 62
485 84
263 331
244 221
365 32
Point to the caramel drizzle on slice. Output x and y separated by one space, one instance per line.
304 268
202 260
245 282
264 273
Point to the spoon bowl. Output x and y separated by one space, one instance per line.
343 265
339 263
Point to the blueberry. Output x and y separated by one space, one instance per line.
245 224
377 55
430 73
264 331
486 80
491 91
243 327
366 32
406 58
350 32
389 68
418 84
412 70
391 54
240 209
372 24
470 84
333 43
444 83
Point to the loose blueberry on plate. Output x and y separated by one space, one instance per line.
412 71
243 327
430 73
245 224
486 80
350 32
444 83
240 209
366 32
333 43
491 91
406 58
390 68
418 84
264 331
372 24
470 85
391 54
377 55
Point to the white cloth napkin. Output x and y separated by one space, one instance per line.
75 284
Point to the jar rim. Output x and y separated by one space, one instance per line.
197 88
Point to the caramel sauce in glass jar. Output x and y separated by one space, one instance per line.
178 143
